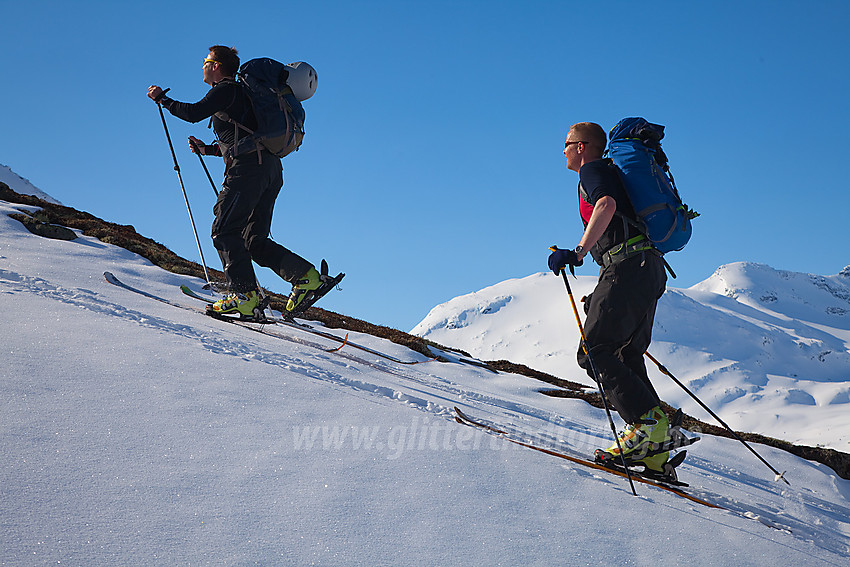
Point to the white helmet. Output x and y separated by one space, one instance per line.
302 80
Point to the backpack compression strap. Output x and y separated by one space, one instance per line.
284 105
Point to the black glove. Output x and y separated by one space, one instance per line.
559 259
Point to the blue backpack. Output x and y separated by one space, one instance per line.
280 116
635 148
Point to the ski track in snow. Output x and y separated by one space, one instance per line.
421 389
427 383
213 341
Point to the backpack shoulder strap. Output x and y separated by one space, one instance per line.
221 115
582 192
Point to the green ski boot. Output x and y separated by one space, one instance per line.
243 304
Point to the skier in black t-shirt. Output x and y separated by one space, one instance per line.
621 309
243 211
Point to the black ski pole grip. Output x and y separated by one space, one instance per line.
160 95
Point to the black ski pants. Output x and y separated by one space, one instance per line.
243 218
620 314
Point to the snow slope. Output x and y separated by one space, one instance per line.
136 433
768 350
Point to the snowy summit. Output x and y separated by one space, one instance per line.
766 349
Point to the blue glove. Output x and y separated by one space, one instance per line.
559 259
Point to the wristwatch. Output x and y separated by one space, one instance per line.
580 251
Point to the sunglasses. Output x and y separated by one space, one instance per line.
209 61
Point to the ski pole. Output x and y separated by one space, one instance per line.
663 369
596 376
183 188
207 171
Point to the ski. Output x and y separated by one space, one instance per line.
271 320
311 297
673 487
258 326
110 277
188 291
667 478
286 321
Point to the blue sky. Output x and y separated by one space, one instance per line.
432 163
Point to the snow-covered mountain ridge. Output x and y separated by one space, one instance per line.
768 350
134 432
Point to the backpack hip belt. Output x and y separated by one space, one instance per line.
637 245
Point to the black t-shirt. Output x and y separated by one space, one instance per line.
226 96
599 179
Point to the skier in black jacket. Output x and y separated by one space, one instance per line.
621 309
252 181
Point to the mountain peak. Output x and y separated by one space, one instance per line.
750 340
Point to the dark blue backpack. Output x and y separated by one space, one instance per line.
635 148
280 116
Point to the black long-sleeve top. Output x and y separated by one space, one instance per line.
226 96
